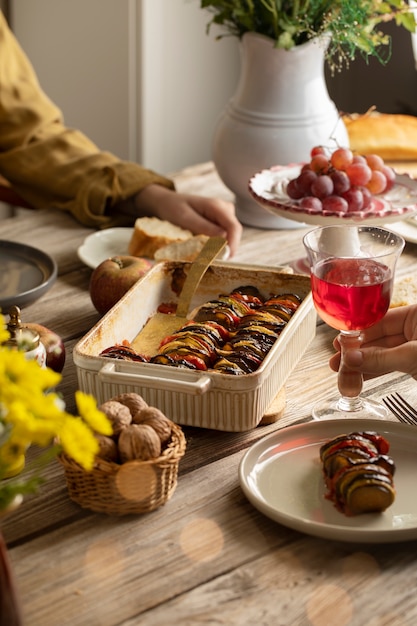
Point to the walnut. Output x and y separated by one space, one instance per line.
118 414
108 448
158 420
133 401
140 442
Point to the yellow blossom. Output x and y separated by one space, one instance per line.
32 413
87 407
4 333
78 442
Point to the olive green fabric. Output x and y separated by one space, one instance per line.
51 165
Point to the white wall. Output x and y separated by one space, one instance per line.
140 77
71 47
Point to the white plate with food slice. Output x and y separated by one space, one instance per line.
268 188
115 241
281 475
103 244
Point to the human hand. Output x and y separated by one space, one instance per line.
201 215
388 346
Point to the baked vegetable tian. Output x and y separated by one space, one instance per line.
358 472
231 334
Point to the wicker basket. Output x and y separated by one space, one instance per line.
130 488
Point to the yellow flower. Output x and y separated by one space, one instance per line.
10 452
87 407
32 413
17 369
32 426
78 442
4 333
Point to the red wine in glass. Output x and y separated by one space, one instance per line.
351 294
352 271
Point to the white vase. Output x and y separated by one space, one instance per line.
280 110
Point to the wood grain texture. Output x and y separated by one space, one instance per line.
207 556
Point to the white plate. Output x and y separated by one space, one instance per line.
103 244
268 189
110 242
281 476
407 229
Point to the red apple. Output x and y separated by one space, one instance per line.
54 346
112 278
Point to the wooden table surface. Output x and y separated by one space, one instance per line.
207 556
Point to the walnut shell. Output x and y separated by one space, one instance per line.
140 442
108 448
152 416
118 414
133 401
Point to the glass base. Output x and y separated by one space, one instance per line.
301 266
365 409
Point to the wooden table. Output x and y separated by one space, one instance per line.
207 556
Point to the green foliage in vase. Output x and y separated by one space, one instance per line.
352 25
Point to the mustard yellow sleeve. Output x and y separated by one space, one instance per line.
48 164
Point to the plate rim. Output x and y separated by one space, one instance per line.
323 529
398 229
92 237
43 261
292 211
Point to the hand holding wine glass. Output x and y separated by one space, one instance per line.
388 346
352 273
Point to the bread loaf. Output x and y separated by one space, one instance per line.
392 137
150 234
186 250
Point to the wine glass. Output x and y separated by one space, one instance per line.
352 273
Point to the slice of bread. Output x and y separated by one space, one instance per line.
393 137
150 234
186 250
404 292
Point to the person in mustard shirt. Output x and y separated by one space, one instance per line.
51 165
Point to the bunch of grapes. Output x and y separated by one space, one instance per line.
342 182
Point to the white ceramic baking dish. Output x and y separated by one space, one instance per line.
192 398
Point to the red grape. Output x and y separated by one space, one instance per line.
322 186
317 150
374 161
311 203
319 164
390 176
367 197
359 173
341 158
336 204
359 158
378 182
342 182
293 190
304 181
354 198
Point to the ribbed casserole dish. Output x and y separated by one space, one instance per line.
191 398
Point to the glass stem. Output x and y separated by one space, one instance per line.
349 382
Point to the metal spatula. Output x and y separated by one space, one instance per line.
161 325
210 251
